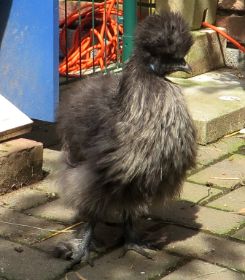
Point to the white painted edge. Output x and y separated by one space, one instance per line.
11 117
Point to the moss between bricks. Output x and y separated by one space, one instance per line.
236 229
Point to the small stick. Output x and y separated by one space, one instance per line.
60 231
231 134
226 178
23 225
80 276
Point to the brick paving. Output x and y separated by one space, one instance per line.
202 234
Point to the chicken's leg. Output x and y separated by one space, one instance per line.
78 249
132 241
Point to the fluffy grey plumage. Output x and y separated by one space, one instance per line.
129 139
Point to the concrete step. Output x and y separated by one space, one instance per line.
216 101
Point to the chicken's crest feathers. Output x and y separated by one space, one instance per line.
167 33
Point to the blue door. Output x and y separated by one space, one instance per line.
29 56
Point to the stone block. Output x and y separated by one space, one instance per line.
237 5
206 54
192 10
200 270
28 264
225 174
213 249
200 217
21 163
131 266
216 102
234 25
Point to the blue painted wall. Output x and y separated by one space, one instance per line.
29 56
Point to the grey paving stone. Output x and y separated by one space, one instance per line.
225 174
200 217
48 184
54 210
233 201
204 271
215 151
51 160
23 228
25 198
207 247
131 267
240 234
197 193
29 264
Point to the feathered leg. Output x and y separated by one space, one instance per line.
132 241
78 249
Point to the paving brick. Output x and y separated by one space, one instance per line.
21 163
23 228
215 151
240 234
25 198
199 217
233 25
225 174
29 264
207 247
232 5
51 160
233 201
204 271
198 193
54 210
131 267
206 53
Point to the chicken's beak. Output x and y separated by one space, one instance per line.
185 67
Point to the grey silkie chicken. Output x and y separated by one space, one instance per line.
128 140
